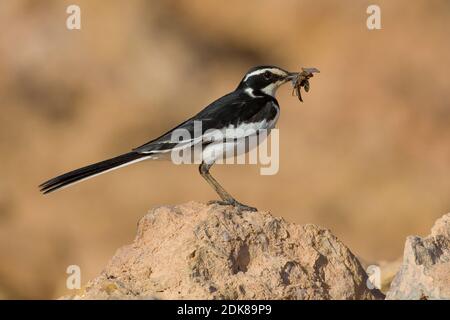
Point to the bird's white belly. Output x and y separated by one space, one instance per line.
216 151
236 147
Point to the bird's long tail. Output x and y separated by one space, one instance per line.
90 171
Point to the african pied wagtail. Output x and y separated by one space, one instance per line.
252 105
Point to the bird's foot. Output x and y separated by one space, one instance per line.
240 206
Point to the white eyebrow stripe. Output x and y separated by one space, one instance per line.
273 70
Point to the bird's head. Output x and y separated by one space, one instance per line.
265 79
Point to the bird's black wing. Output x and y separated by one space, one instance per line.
231 109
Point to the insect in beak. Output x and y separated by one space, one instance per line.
301 79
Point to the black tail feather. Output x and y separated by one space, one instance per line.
88 171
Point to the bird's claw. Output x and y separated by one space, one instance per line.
236 204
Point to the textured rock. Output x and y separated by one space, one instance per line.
425 272
195 251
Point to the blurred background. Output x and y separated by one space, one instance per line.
367 155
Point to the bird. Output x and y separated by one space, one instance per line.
252 105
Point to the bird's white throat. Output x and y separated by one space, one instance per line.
272 88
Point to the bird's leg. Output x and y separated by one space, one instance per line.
223 194
227 199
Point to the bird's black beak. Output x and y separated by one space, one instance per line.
291 76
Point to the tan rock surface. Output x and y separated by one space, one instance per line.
195 251
425 272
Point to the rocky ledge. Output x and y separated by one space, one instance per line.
425 271
196 251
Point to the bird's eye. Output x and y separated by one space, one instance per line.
267 75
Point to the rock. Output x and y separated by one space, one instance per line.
195 251
425 272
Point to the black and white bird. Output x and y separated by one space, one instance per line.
251 106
